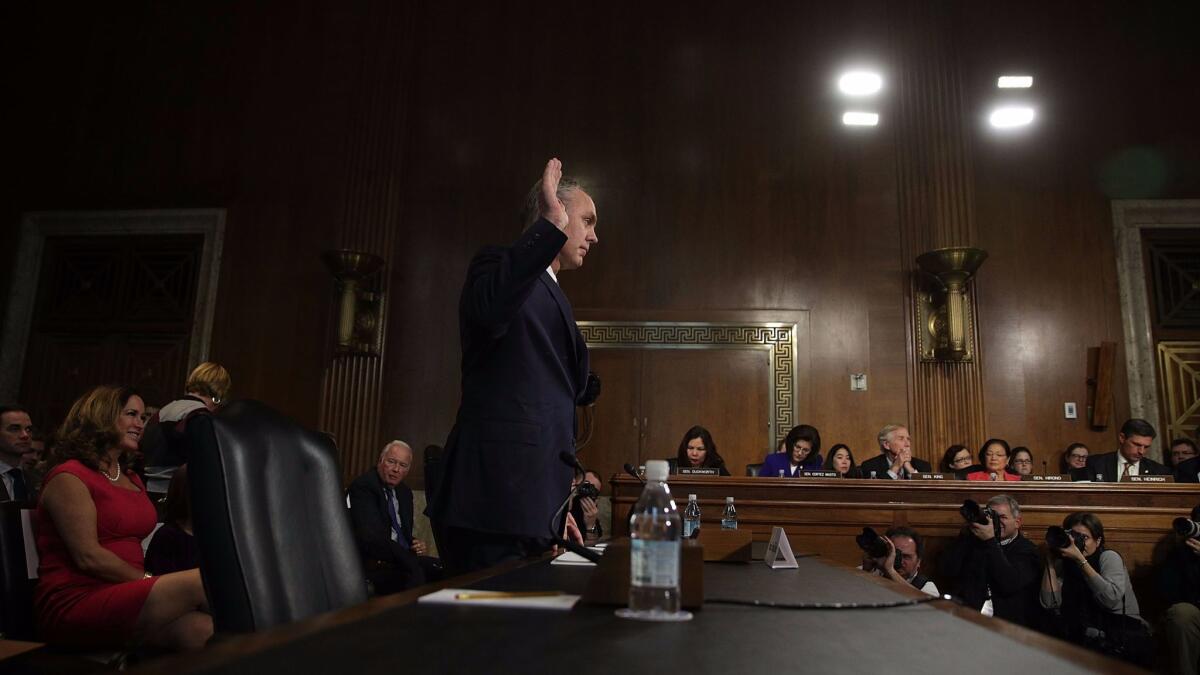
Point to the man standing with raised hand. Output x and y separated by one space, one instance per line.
524 369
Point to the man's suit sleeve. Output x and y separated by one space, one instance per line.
404 496
499 280
374 534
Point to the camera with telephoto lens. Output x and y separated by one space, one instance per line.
1186 527
1058 538
586 489
874 546
974 513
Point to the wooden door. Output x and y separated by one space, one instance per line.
615 434
723 390
110 310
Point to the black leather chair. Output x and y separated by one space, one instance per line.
16 588
752 469
270 520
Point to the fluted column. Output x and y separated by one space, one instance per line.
936 197
352 386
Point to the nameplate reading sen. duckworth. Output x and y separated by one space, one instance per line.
702 471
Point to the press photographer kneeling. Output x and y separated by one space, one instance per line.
1179 583
993 568
895 556
1089 588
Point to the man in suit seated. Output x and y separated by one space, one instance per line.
895 460
381 509
16 436
1130 458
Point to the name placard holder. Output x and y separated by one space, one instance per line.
1053 477
930 476
819 474
780 546
693 471
1150 479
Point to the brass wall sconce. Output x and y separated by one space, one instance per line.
360 302
945 315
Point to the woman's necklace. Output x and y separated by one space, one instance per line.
113 478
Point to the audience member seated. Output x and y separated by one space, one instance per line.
697 451
1074 462
996 575
34 461
803 453
1182 449
93 589
1133 442
841 460
1179 584
173 548
1021 461
903 561
381 509
165 447
993 456
585 511
895 458
17 483
956 460
1088 586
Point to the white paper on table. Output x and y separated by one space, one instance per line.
575 559
446 596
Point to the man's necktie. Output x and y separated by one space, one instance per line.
391 499
18 482
1125 474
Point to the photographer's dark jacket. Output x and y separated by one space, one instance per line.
1011 572
1179 576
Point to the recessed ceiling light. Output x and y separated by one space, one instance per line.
860 83
1015 81
860 119
1008 117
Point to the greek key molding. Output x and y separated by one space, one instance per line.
777 339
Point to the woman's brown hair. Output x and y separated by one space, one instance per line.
90 428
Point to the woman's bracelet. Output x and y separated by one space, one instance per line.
1082 562
147 575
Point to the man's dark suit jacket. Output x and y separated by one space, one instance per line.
373 524
1188 470
880 465
524 365
32 483
1011 575
1106 465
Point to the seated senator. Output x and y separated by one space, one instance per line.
697 450
173 547
381 511
994 458
841 460
802 453
93 589
895 460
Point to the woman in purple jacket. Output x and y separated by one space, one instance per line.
802 453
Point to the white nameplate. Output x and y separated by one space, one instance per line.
693 471
1151 479
779 546
1056 477
819 474
929 476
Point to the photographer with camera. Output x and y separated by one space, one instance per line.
1179 583
1089 587
993 568
584 507
896 556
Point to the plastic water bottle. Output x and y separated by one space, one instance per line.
691 517
729 518
654 530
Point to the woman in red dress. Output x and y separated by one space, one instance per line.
93 590
994 458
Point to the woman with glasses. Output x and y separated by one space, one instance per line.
1074 462
956 460
994 458
1021 462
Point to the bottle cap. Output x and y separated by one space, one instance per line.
729 500
691 498
657 469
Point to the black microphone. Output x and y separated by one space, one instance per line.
572 461
633 472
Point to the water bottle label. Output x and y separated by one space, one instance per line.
654 563
690 526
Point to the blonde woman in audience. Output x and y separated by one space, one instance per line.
93 589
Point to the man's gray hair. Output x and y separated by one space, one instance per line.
390 445
887 431
1013 507
531 210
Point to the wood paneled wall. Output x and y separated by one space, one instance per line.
709 135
